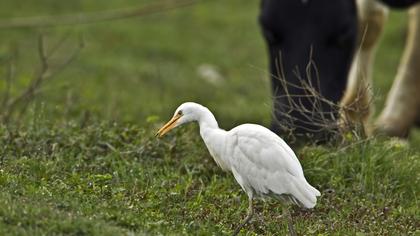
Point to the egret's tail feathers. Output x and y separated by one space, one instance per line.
304 193
295 189
314 190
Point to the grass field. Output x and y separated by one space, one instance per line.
84 160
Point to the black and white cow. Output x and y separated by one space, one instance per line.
313 41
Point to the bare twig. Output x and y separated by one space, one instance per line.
310 105
316 119
89 18
8 80
45 72
29 91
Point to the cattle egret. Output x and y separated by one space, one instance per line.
261 162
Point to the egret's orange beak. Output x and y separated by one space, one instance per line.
168 126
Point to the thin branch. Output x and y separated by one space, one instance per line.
8 80
37 81
309 104
89 18
45 72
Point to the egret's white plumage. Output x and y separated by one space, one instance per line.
261 162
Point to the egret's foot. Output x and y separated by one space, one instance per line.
247 218
246 221
292 231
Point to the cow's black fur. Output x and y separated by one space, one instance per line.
297 31
400 3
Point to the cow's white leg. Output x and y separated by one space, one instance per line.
403 101
356 103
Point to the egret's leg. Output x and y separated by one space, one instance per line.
247 219
286 211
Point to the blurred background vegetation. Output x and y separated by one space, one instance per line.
137 67
134 68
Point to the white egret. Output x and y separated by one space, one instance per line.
261 162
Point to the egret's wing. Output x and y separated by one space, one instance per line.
267 165
266 150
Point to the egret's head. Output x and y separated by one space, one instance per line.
185 113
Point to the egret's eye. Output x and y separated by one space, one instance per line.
179 113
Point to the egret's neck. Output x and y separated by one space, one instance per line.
214 138
208 126
206 120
